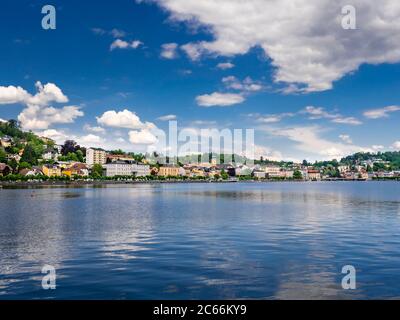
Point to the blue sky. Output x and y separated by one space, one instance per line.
224 67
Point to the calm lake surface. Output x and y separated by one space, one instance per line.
202 241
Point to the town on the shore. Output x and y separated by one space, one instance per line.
25 156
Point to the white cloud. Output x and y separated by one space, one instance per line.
308 140
56 135
35 117
167 117
122 44
381 113
38 114
169 51
11 94
247 85
225 65
345 138
123 119
144 137
396 145
316 113
303 38
46 94
347 120
272 118
94 129
219 99
91 140
377 147
116 33
2 120
194 51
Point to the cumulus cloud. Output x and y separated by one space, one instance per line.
315 113
271 118
122 44
89 128
396 145
381 113
345 138
38 115
144 137
303 38
246 86
47 93
167 117
91 140
35 117
219 99
169 51
308 139
11 95
123 119
116 33
225 65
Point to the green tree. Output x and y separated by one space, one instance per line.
97 170
224 175
13 164
29 155
297 175
24 165
79 155
3 155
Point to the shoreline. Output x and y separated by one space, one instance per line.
33 184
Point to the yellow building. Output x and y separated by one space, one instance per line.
196 172
168 171
77 169
51 171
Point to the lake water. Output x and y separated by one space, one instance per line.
202 241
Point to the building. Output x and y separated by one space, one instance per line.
6 141
142 170
259 174
126 169
314 174
51 170
119 157
287 174
166 171
77 169
30 172
5 169
95 156
273 172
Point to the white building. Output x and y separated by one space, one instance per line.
126 169
95 156
273 172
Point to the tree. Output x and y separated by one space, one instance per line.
305 163
97 170
3 155
69 146
224 175
24 165
79 155
13 164
29 155
297 175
